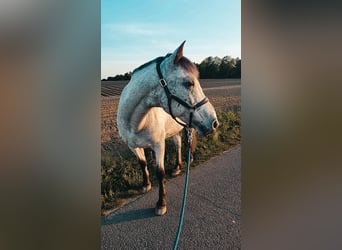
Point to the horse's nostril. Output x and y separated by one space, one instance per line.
215 124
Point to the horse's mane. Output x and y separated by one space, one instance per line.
184 62
150 62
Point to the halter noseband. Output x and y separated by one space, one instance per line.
176 98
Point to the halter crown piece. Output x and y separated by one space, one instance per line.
171 97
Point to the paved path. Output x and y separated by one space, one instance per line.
212 215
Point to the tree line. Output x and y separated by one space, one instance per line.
216 67
209 68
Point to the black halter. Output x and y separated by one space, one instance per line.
176 98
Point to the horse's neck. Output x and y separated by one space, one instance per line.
138 98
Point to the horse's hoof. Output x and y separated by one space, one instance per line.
160 210
176 172
146 189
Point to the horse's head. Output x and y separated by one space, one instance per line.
184 93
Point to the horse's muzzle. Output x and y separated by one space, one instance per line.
215 124
206 129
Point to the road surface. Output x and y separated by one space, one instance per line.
212 215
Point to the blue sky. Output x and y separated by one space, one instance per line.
136 31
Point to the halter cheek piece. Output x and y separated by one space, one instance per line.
171 97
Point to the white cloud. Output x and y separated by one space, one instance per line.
137 29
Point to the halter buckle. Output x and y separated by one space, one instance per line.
189 135
162 82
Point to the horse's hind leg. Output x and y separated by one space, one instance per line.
193 145
177 139
139 152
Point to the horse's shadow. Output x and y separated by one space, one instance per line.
132 215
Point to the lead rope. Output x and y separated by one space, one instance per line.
185 192
192 108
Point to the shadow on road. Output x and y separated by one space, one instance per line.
128 216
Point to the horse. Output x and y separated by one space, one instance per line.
162 97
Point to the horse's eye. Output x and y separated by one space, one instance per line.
189 84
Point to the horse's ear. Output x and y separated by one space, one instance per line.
179 53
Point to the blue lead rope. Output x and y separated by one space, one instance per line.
185 192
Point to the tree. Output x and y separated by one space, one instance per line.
215 67
126 76
225 67
210 67
235 72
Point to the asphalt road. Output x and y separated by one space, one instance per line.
212 215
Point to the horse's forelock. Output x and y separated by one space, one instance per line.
188 66
184 62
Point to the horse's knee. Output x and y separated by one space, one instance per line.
146 176
160 174
142 164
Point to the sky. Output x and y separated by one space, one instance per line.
136 31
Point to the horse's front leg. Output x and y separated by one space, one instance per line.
159 150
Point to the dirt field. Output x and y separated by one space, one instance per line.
223 94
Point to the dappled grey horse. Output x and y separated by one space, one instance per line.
161 98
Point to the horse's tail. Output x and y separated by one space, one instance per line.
193 141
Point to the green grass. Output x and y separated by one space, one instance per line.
121 175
